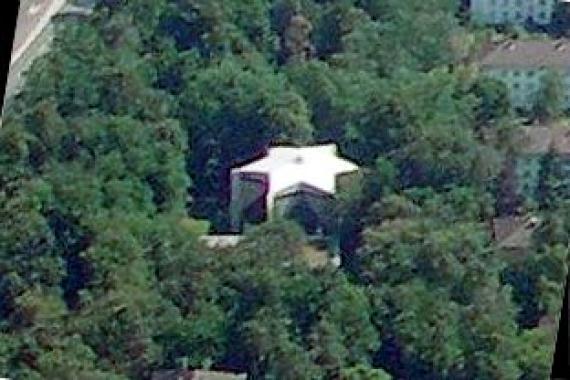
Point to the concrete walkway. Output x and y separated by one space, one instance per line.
31 39
33 17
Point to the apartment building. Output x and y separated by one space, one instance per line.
521 65
496 12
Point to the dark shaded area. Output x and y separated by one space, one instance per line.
526 296
561 366
72 240
401 365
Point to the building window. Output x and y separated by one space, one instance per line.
516 85
542 15
516 73
542 2
530 73
519 3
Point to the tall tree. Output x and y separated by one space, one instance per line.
549 100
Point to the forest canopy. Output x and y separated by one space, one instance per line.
115 158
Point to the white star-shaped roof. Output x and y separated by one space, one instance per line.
316 166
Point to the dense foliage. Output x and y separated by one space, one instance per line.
114 159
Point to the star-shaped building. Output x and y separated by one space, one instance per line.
276 182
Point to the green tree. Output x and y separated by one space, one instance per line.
494 102
434 287
364 373
423 48
549 101
232 112
102 272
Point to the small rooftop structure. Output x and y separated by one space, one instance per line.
313 254
541 140
221 241
561 141
75 11
285 172
514 232
529 54
187 374
548 322
535 140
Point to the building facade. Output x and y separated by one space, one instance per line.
497 12
521 66
534 144
523 84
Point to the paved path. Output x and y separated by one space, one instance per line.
33 17
31 39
